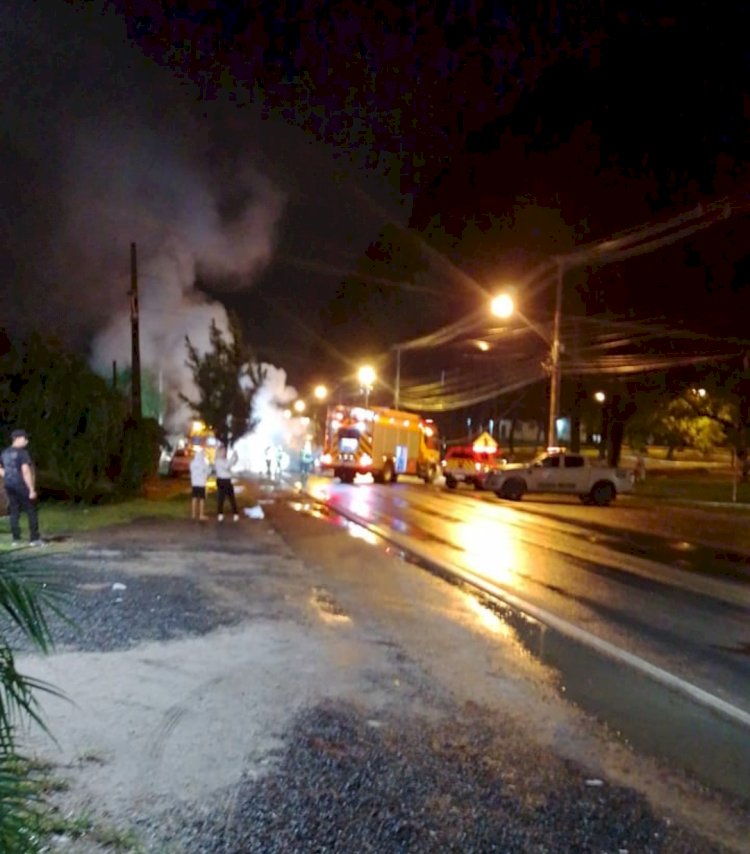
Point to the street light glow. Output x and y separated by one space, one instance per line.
600 397
483 346
502 306
320 392
366 376
299 406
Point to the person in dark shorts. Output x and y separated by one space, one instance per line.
18 479
198 478
224 487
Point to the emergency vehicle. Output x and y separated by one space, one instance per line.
379 441
472 463
201 436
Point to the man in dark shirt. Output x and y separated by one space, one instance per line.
18 479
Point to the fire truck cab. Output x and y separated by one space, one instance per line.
380 441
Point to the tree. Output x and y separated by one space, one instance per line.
75 418
227 377
678 423
702 410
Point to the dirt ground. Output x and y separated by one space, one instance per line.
199 643
155 722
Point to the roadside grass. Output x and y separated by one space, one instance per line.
54 824
163 498
692 485
49 824
60 518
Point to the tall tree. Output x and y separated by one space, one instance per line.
227 377
75 418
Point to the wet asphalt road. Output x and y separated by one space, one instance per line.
681 603
668 585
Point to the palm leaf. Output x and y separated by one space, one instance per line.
27 596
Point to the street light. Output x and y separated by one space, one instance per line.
299 406
366 376
320 392
502 306
600 397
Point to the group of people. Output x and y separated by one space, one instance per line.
200 469
17 473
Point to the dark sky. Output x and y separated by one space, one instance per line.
103 145
255 154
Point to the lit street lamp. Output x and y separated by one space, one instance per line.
366 376
600 397
320 392
502 306
299 406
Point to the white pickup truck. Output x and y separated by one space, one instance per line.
571 474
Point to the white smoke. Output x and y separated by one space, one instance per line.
278 431
128 185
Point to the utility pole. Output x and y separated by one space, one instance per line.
135 382
554 385
397 386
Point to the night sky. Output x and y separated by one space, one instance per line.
347 176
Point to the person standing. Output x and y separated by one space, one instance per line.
224 487
198 478
18 478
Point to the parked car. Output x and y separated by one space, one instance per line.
180 463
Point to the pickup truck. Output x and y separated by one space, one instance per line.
568 474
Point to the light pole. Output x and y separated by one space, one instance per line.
397 384
554 384
600 397
366 376
502 306
320 393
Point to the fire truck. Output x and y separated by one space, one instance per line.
379 441
201 436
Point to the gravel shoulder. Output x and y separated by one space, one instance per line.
269 686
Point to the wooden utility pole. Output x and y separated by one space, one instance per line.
554 385
135 382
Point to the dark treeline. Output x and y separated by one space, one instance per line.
85 443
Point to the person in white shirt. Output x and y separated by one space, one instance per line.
198 478
224 488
